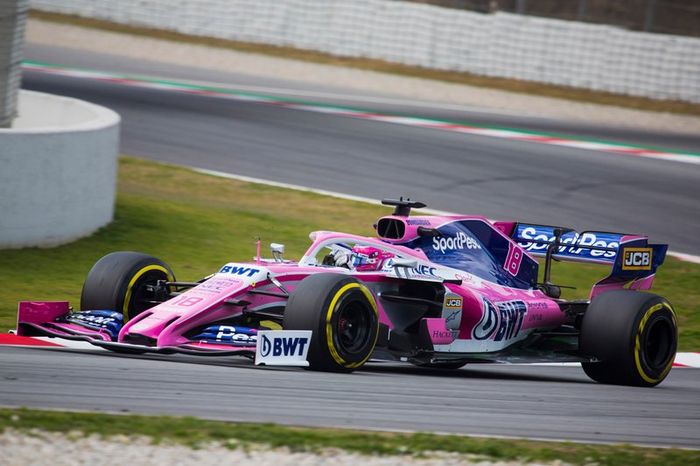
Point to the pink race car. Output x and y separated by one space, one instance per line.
435 291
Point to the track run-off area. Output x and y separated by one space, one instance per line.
494 165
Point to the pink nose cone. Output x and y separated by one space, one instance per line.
149 329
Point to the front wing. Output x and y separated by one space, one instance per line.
101 327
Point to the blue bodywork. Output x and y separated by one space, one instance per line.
228 335
475 247
109 321
536 238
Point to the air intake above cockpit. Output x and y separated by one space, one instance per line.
391 228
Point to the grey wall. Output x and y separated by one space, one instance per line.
13 18
568 53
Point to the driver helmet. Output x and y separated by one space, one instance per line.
369 258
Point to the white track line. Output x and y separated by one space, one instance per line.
685 257
502 133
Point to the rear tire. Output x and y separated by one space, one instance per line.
120 280
342 314
634 336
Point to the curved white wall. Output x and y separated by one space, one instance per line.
58 170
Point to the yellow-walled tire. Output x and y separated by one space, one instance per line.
120 282
633 335
342 315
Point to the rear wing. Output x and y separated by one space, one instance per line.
632 259
587 246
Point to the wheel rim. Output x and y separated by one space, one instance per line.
352 328
142 297
658 344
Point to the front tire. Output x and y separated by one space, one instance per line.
342 314
120 282
632 334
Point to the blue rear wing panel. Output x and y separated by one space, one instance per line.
631 258
588 246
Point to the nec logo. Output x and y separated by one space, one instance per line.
424 270
636 258
283 346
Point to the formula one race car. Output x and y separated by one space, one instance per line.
435 291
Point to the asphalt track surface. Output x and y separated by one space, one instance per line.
471 174
522 401
329 94
498 178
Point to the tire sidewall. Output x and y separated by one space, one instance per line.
656 314
115 278
349 293
615 330
147 270
317 304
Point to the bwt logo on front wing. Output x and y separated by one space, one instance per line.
636 258
282 347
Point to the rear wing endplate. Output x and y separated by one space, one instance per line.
632 259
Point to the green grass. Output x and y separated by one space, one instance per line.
198 433
196 223
511 85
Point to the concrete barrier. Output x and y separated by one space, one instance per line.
13 19
567 53
58 169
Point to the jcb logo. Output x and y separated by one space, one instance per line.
454 303
636 259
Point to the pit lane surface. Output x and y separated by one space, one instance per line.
521 401
497 178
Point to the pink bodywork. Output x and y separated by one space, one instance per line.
612 283
167 322
474 298
38 314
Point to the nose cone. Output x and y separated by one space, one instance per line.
157 326
151 326
146 330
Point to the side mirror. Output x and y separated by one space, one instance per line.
404 263
277 251
423 231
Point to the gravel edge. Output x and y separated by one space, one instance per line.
73 448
